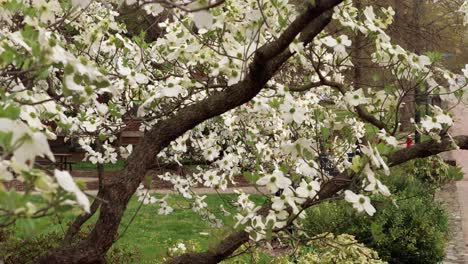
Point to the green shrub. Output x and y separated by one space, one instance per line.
342 249
122 255
18 251
434 170
412 231
4 234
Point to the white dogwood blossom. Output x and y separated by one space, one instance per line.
78 71
26 144
275 181
356 98
65 181
339 44
286 198
374 184
308 189
360 202
291 111
391 140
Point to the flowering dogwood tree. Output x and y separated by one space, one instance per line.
254 88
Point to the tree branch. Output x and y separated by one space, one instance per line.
426 149
118 190
330 189
234 241
360 110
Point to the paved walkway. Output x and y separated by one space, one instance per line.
461 156
456 250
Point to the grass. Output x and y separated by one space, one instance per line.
152 234
88 166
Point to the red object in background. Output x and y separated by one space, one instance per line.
409 142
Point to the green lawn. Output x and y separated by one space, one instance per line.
86 165
151 233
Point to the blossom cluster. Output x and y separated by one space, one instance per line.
73 69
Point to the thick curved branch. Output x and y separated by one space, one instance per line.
302 24
426 149
118 190
75 226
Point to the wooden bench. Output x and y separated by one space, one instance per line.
61 161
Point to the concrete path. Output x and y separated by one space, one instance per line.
455 251
461 156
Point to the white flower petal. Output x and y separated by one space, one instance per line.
65 181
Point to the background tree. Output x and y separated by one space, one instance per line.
418 27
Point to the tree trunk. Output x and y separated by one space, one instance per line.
358 54
417 48
118 190
407 109
116 194
81 219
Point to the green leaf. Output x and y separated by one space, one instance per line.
356 164
376 77
101 84
148 180
28 226
269 230
42 74
377 234
434 56
274 103
102 137
251 177
283 22
8 55
10 112
284 168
